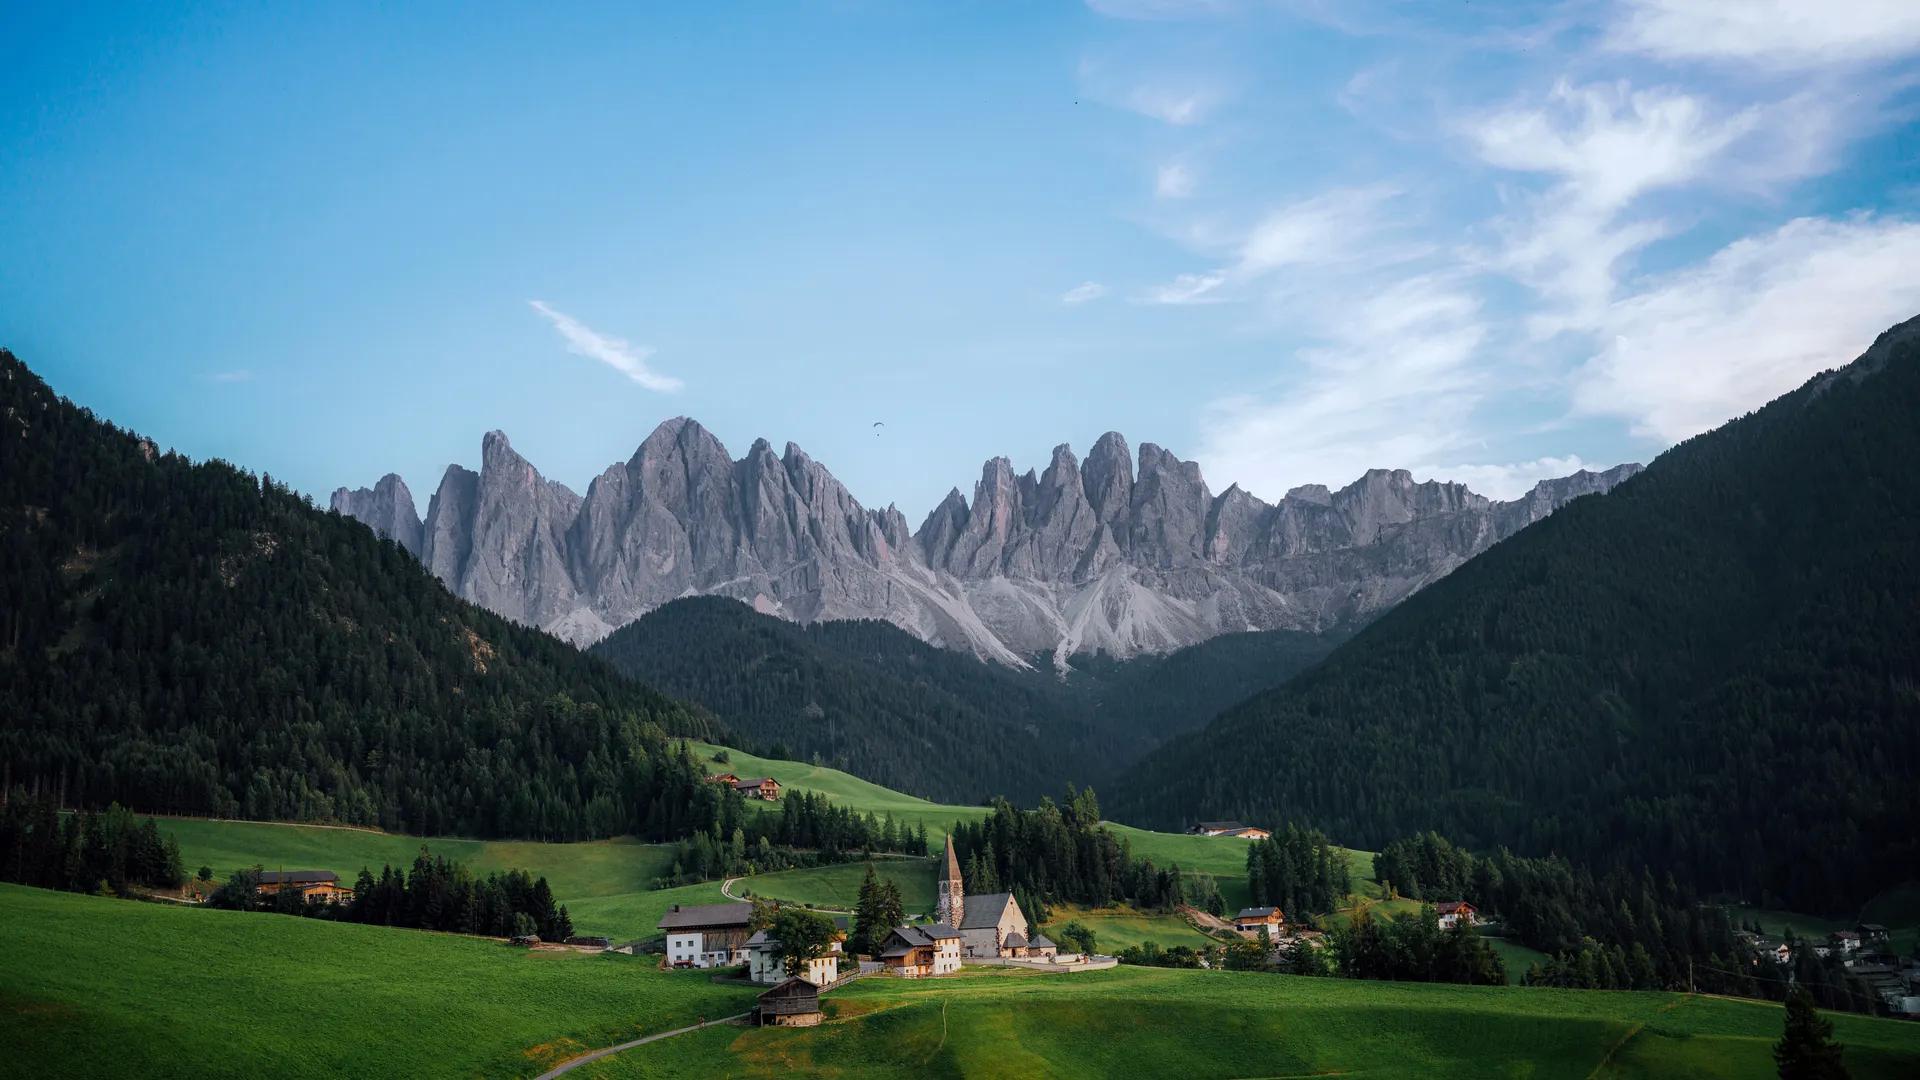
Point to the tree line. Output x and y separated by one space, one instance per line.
1060 854
809 830
439 894
1298 871
105 852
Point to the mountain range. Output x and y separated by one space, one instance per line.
1108 556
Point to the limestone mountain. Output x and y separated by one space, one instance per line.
1122 556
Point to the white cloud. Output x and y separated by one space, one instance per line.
1083 292
1704 345
1173 180
1606 146
628 359
1772 33
1508 481
1389 383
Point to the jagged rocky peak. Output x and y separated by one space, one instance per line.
1116 553
387 507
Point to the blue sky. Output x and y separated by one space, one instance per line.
1485 241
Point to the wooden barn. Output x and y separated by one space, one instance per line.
794 1003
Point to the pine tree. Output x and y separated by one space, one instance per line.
1804 1051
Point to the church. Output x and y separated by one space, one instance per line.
990 924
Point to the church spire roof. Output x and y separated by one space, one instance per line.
953 864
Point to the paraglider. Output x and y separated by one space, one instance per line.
877 425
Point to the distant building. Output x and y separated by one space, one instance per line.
1454 912
1222 828
726 778
1252 920
764 964
311 884
921 951
707 935
1846 941
1872 934
1250 832
793 1003
759 787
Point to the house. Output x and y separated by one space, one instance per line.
919 951
1250 832
1215 828
985 920
1454 912
1872 934
1776 951
1846 941
759 787
311 884
1252 920
1041 948
707 935
726 778
764 964
793 1003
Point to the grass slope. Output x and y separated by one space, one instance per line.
110 988
1152 1022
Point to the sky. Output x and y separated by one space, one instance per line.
1484 241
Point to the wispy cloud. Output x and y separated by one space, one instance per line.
628 359
1343 226
1083 292
1173 180
1703 345
1786 34
1505 481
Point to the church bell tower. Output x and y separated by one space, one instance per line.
950 908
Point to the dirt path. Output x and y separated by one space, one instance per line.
1208 922
574 1063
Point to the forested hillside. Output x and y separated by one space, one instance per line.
191 638
1714 670
869 698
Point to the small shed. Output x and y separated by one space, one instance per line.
794 1003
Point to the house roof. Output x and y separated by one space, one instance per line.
1257 912
1449 907
298 877
792 988
941 930
1015 940
703 916
1218 826
984 910
760 938
1041 941
755 781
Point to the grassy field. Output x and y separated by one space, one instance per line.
1116 928
838 886
109 988
1517 958
845 789
1154 1022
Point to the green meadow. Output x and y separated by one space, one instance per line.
1115 928
1156 1022
99 987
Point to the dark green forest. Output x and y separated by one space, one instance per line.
190 638
869 698
1713 670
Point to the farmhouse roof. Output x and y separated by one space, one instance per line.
984 910
1041 941
941 930
298 877
792 988
1450 907
1257 912
1219 826
701 916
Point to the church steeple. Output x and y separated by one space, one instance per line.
950 908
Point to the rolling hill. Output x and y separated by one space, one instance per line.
187 637
1710 670
867 697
